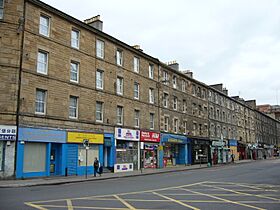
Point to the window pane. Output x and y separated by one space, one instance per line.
34 159
99 111
73 107
119 115
151 121
119 86
151 71
100 49
74 72
75 39
40 101
42 62
44 26
99 79
136 90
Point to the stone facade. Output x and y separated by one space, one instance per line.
192 108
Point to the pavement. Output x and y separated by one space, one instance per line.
56 180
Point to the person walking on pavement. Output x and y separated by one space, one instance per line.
232 157
95 166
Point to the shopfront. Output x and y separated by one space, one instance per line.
109 151
127 150
149 149
220 152
233 148
80 159
176 150
241 149
7 150
200 151
41 152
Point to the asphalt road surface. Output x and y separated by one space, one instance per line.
254 185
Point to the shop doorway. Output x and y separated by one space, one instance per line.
150 159
55 159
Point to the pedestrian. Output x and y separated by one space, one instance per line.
95 166
232 158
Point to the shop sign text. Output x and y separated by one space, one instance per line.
150 136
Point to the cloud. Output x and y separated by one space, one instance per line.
234 42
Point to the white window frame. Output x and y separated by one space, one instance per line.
99 80
44 29
183 85
43 62
151 71
165 77
176 125
136 118
175 103
75 98
152 121
119 57
166 123
99 111
41 101
165 100
74 71
119 85
136 64
151 96
100 46
185 127
119 115
174 82
136 90
75 41
184 106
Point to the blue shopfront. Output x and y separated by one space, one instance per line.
79 158
109 151
40 152
174 150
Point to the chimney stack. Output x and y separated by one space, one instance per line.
95 22
174 65
189 73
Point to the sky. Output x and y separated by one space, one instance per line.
234 42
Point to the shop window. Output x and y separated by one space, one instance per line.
93 152
2 146
127 152
34 159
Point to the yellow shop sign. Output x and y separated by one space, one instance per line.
76 137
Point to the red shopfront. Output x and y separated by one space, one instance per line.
149 149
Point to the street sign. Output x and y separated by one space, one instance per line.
86 143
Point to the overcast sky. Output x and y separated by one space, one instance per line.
234 42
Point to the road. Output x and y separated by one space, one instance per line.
254 185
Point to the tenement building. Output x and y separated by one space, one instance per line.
70 92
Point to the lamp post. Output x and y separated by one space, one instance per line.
86 145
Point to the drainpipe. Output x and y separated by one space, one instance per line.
21 29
